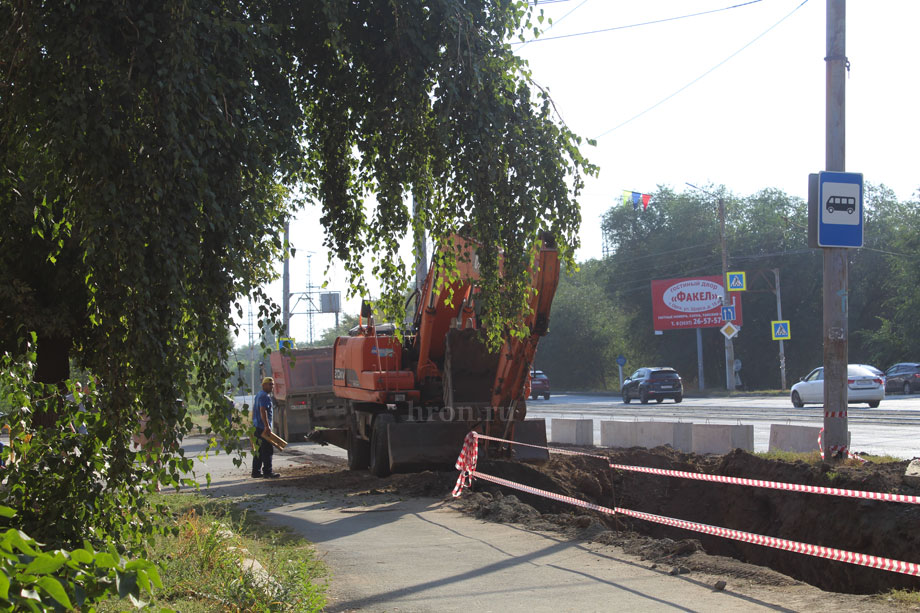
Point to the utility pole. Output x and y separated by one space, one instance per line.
729 346
779 317
835 258
421 251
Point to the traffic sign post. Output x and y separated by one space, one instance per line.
840 209
621 361
737 281
730 330
781 330
836 231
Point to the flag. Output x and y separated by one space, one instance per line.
635 198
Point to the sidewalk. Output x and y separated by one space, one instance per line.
387 553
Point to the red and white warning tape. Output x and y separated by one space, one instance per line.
776 485
834 449
466 464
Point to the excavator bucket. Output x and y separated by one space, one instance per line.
424 445
532 432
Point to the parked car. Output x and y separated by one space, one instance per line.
875 371
862 386
653 383
903 377
539 384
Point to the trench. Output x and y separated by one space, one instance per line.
879 528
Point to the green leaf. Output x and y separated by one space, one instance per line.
105 560
143 581
81 556
154 575
55 590
45 564
4 586
7 512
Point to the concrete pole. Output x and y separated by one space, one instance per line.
421 260
835 259
729 346
286 285
699 359
779 317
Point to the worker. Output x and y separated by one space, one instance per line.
262 412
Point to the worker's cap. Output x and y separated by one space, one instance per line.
267 380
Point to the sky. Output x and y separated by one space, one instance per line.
733 97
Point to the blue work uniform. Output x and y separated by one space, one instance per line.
262 459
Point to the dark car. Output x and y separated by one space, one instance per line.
654 383
539 384
903 377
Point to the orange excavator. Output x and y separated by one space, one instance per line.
412 400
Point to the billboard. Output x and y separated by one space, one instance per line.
330 302
695 302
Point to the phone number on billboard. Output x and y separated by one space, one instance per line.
696 321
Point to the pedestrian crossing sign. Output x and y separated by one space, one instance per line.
285 342
781 330
737 281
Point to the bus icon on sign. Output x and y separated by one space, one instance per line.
841 203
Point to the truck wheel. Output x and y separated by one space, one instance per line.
534 396
380 445
546 396
359 452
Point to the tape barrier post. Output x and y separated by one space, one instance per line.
466 463
837 448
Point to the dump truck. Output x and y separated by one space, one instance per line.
412 398
304 393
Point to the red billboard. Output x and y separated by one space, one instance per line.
695 302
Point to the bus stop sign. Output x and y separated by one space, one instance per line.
835 209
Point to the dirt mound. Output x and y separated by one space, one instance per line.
870 527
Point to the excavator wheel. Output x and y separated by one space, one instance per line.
359 452
380 445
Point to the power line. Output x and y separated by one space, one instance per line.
652 255
900 255
635 25
525 43
665 99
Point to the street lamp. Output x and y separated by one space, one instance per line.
729 346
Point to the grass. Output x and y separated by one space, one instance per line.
201 562
903 597
814 457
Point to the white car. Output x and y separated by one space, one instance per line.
862 386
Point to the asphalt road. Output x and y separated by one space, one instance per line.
892 429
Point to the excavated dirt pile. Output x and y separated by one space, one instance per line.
886 529
878 528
